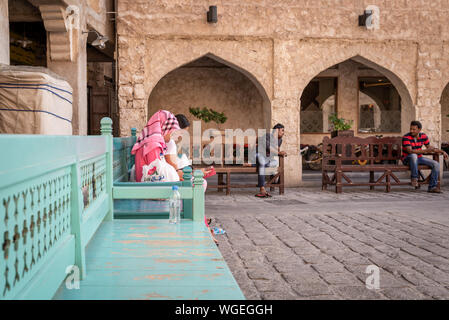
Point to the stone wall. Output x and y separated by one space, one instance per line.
222 89
281 46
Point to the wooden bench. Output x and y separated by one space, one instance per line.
276 180
371 154
225 168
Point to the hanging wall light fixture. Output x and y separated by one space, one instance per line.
212 14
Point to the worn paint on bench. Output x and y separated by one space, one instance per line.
128 254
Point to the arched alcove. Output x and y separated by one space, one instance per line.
214 83
346 75
444 115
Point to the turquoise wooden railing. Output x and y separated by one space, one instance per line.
54 193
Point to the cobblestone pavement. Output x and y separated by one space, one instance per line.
309 244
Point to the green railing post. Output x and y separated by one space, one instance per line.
76 211
187 203
106 130
134 139
198 196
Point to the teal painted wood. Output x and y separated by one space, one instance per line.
151 259
52 273
76 209
187 203
106 131
43 182
133 141
198 196
143 209
149 192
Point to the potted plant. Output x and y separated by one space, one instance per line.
340 126
207 115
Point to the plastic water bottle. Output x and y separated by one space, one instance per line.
175 206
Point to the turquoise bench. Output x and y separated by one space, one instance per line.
57 219
126 208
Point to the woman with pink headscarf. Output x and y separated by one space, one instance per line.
151 143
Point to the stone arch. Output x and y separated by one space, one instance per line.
390 69
444 102
266 101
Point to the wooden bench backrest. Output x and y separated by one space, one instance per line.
356 148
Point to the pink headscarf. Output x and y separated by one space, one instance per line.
152 135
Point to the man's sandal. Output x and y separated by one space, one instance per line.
261 195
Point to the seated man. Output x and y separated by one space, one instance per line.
412 153
266 159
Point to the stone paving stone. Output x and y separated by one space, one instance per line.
261 242
418 279
281 258
439 262
328 267
342 278
270 285
289 267
250 291
403 294
323 297
434 292
279 295
312 289
301 277
357 293
354 260
389 281
316 258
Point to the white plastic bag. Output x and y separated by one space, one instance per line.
163 173
183 161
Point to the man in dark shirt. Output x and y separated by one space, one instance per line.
412 153
266 156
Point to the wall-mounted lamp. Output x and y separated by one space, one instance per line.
364 17
212 14
100 42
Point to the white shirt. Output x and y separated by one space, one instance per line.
171 147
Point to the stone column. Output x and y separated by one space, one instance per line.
4 32
67 55
348 104
75 73
431 59
429 84
286 111
285 108
132 95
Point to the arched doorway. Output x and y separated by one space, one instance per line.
373 98
213 83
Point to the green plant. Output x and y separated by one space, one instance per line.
208 115
340 124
